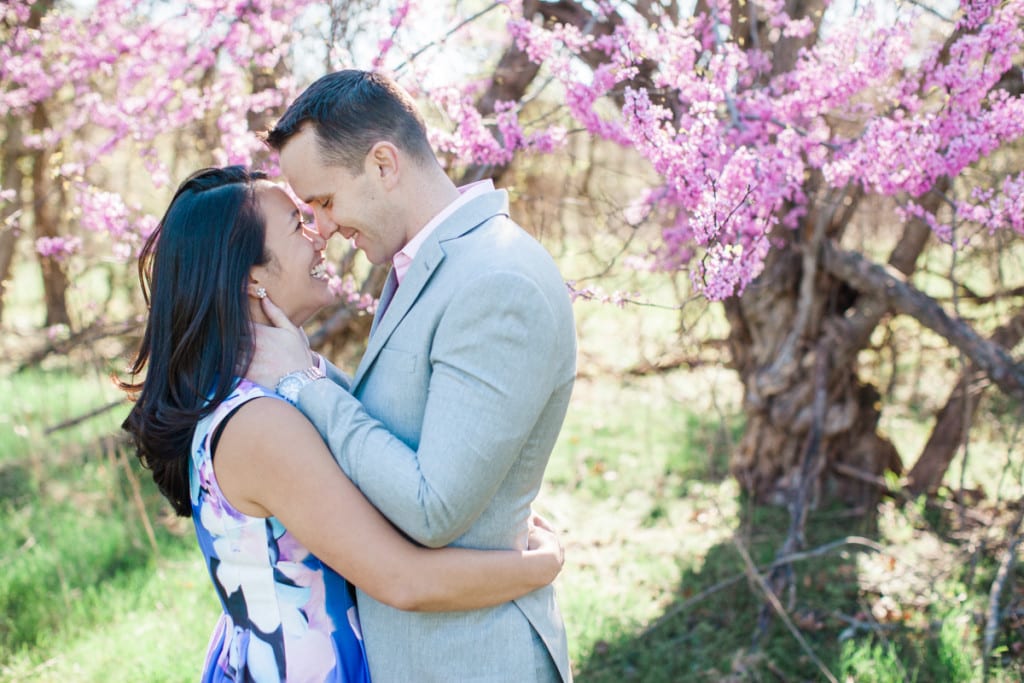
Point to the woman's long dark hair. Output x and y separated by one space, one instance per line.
194 271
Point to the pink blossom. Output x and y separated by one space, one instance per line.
58 248
730 141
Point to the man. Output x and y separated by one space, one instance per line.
456 405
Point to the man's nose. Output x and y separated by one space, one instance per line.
325 227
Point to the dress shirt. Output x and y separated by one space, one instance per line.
403 259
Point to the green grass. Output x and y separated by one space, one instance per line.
639 486
33 401
149 624
80 584
639 483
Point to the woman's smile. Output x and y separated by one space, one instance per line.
319 270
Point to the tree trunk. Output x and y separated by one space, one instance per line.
778 395
264 79
794 311
48 199
13 151
8 240
10 212
779 327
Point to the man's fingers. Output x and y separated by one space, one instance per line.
276 315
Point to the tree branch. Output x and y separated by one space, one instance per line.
953 421
900 296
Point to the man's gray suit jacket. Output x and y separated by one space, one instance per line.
449 425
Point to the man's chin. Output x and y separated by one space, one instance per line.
377 258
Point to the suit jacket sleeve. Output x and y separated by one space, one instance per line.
337 376
492 360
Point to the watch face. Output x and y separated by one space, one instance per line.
289 387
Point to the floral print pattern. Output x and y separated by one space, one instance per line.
287 616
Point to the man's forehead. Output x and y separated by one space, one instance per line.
302 169
302 185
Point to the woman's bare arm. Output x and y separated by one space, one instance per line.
271 461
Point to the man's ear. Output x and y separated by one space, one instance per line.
385 163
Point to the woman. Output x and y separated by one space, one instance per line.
273 513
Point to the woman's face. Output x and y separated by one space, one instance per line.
295 276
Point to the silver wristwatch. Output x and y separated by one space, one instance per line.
289 386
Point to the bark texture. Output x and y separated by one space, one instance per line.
795 312
10 212
48 200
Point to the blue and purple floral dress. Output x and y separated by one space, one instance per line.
287 616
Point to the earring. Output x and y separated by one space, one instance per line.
261 293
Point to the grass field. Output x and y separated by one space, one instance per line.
638 485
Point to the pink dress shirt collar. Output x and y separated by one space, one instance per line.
403 259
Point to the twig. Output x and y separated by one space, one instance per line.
1005 568
88 335
931 10
966 410
788 559
810 472
781 611
856 625
468 20
140 506
730 96
85 416
675 361
902 494
866 477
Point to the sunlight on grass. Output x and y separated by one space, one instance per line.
155 628
638 484
81 596
33 401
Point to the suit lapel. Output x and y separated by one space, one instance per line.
396 301
398 304
390 285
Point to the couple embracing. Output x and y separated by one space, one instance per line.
413 479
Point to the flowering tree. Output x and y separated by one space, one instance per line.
83 87
772 126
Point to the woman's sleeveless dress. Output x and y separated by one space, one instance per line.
287 616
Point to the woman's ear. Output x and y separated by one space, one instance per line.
255 289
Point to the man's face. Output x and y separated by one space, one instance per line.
354 205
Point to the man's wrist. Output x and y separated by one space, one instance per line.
319 362
289 386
